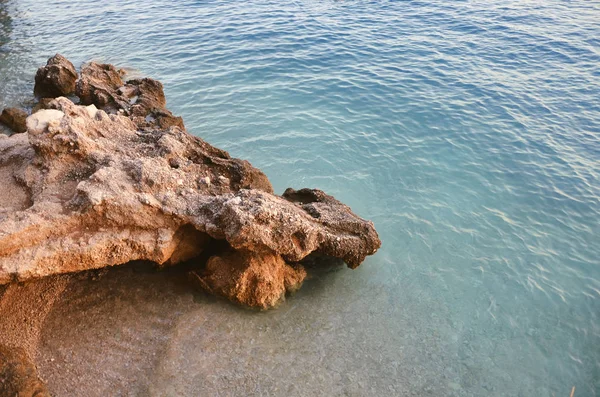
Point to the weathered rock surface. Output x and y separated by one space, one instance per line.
88 188
253 279
18 375
55 79
98 84
142 99
14 119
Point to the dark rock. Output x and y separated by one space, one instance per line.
148 103
55 79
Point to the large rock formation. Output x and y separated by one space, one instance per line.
86 188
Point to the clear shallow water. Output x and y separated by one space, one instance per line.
469 132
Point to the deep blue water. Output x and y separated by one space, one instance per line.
468 131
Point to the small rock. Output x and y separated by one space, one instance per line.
454 386
174 162
55 79
38 122
14 119
43 103
259 280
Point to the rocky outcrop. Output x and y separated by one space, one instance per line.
55 79
107 183
18 375
14 119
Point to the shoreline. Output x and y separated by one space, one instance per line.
116 179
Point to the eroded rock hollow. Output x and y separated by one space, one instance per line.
117 178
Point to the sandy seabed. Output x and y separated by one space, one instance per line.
97 333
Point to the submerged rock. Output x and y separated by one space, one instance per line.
14 119
101 185
55 79
18 375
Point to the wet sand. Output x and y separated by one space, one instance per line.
24 308
96 333
131 331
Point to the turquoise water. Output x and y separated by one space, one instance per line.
468 131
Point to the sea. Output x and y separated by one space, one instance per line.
467 131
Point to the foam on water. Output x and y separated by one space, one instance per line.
468 131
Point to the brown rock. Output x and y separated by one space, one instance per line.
150 95
18 376
14 119
141 99
87 189
255 221
98 85
55 79
258 280
148 105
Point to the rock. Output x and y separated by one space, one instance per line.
86 189
149 104
55 79
98 85
43 103
255 220
18 376
258 280
141 99
148 95
44 119
14 119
